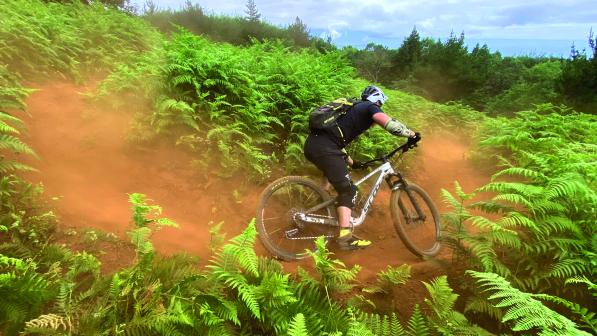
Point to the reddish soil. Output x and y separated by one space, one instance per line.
88 168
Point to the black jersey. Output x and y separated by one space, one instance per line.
357 120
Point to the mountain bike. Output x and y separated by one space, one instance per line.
294 211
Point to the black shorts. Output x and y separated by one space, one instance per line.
322 151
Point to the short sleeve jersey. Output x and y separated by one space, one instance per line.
358 119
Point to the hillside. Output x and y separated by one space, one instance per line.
189 131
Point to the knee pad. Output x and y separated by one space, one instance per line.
347 194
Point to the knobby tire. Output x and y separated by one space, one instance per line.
420 237
277 203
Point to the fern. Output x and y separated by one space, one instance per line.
23 292
524 309
417 325
297 326
386 280
11 96
256 97
228 265
383 325
334 276
46 324
446 320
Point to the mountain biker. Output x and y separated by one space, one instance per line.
327 152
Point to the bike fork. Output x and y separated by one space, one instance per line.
400 183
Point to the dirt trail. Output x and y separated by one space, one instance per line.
88 167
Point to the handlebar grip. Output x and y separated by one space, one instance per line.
358 165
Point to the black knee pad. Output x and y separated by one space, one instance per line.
347 194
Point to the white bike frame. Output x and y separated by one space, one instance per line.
384 170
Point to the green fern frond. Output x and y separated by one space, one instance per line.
12 119
569 268
389 278
442 297
333 272
483 306
240 250
583 279
356 327
297 326
417 325
12 166
14 144
584 315
515 199
275 290
522 308
522 189
6 128
519 171
383 325
516 219
484 223
455 203
566 186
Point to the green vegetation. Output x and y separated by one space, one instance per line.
245 106
234 30
545 200
529 245
447 71
58 292
38 38
12 96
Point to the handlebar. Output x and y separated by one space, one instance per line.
409 144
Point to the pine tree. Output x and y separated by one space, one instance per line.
252 12
408 55
299 33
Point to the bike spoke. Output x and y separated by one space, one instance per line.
308 198
276 230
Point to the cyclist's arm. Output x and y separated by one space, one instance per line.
392 125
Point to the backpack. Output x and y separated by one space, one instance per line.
326 116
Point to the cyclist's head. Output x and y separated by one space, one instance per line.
374 94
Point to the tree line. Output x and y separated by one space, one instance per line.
447 71
239 30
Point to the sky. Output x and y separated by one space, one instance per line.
536 27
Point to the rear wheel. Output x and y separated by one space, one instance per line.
279 229
420 234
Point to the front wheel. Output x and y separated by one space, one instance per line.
420 232
280 230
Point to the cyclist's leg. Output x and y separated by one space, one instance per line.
335 170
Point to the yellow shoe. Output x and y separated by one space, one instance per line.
348 241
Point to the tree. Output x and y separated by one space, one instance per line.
537 86
578 82
298 33
441 70
373 62
408 55
252 12
150 7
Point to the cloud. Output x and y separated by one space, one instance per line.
434 18
332 33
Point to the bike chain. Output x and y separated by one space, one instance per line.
309 238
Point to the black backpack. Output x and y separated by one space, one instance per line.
326 116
